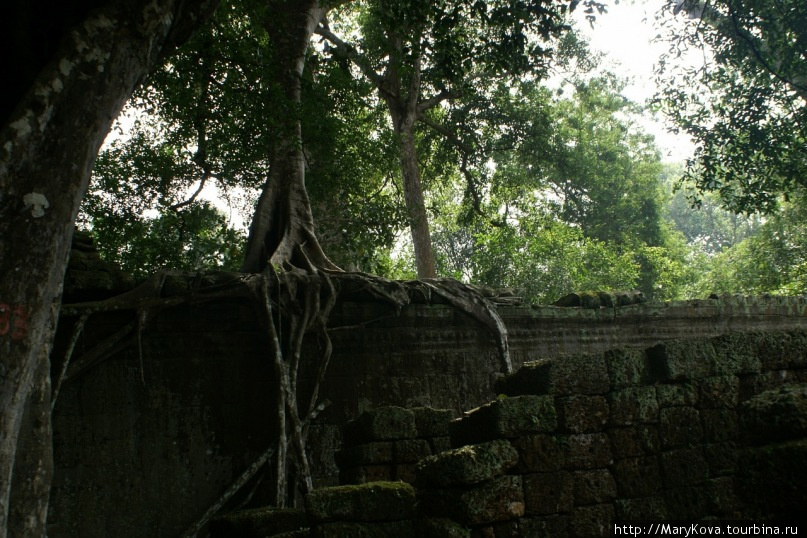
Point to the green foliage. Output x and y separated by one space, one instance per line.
772 260
746 107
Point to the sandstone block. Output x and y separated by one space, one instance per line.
505 418
626 367
396 529
374 501
719 425
719 392
637 405
642 508
684 467
381 424
588 451
371 453
582 414
548 493
561 376
432 422
677 394
681 360
637 477
775 415
680 426
541 452
593 487
467 465
499 499
771 479
595 520
410 450
634 441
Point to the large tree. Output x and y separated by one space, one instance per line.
421 55
743 97
70 67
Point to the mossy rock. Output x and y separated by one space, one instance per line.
258 523
373 501
467 465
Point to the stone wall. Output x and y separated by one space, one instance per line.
704 430
147 436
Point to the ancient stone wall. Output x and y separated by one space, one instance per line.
148 435
701 431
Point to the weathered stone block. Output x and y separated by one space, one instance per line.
771 479
405 472
561 376
719 425
595 520
432 422
440 444
737 353
552 526
371 453
719 392
381 424
588 451
395 529
640 509
677 395
258 523
680 426
626 367
721 458
499 499
505 418
362 474
637 405
722 495
634 441
593 487
375 501
410 450
548 493
467 465
775 415
541 452
687 503
441 528
681 360
637 477
684 467
581 414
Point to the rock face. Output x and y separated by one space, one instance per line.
171 422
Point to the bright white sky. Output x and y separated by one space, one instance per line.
625 35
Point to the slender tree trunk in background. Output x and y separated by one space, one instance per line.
51 126
404 126
282 229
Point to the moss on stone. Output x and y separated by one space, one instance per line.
467 465
373 501
258 523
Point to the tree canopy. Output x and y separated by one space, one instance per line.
745 103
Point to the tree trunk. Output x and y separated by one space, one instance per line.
52 127
404 126
282 229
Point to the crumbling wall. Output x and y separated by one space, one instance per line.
146 439
693 430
